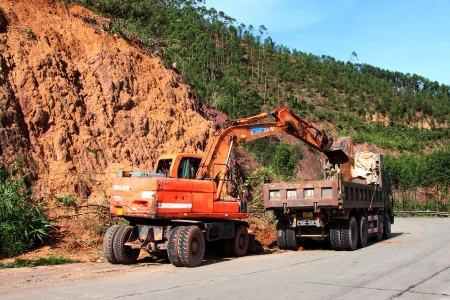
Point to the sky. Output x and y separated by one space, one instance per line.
408 36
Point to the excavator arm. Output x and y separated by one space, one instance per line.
214 164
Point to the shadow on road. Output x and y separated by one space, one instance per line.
213 256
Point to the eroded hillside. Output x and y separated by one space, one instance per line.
78 105
75 100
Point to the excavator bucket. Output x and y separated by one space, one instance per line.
341 150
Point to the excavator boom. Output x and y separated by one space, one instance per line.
237 132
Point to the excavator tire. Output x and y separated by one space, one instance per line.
281 234
108 247
349 234
335 235
124 254
239 244
292 242
191 246
172 246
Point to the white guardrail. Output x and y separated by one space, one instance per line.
420 212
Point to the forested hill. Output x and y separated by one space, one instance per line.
240 70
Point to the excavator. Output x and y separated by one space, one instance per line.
180 206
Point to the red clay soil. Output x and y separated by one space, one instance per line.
80 105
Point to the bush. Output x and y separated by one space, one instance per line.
285 160
23 224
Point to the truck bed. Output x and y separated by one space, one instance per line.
321 194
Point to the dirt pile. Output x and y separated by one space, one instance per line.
79 105
76 100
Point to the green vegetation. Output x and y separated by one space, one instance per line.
241 71
430 171
280 158
50 261
23 224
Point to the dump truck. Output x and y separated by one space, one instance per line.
181 205
353 202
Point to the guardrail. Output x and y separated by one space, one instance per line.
419 212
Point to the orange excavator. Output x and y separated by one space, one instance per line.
180 206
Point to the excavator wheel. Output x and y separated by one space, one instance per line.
108 247
191 246
281 234
335 235
124 254
239 244
172 246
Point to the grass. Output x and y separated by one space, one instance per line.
50 261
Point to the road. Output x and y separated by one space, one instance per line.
413 264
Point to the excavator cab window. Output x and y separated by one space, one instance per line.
164 166
188 167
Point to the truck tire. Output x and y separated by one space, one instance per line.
349 234
191 246
172 246
281 234
292 242
335 235
379 236
239 244
108 246
124 254
362 231
225 247
386 226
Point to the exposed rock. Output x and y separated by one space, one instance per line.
77 102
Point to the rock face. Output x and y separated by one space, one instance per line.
79 105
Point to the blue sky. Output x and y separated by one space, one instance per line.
409 36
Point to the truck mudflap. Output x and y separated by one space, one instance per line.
373 229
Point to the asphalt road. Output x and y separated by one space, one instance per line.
413 264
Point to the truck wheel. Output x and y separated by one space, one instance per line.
172 246
281 234
362 231
386 226
292 241
349 234
335 235
108 247
124 254
379 236
239 244
225 247
191 246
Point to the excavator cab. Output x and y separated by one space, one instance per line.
188 167
181 165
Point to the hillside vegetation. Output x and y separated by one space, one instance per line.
241 71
